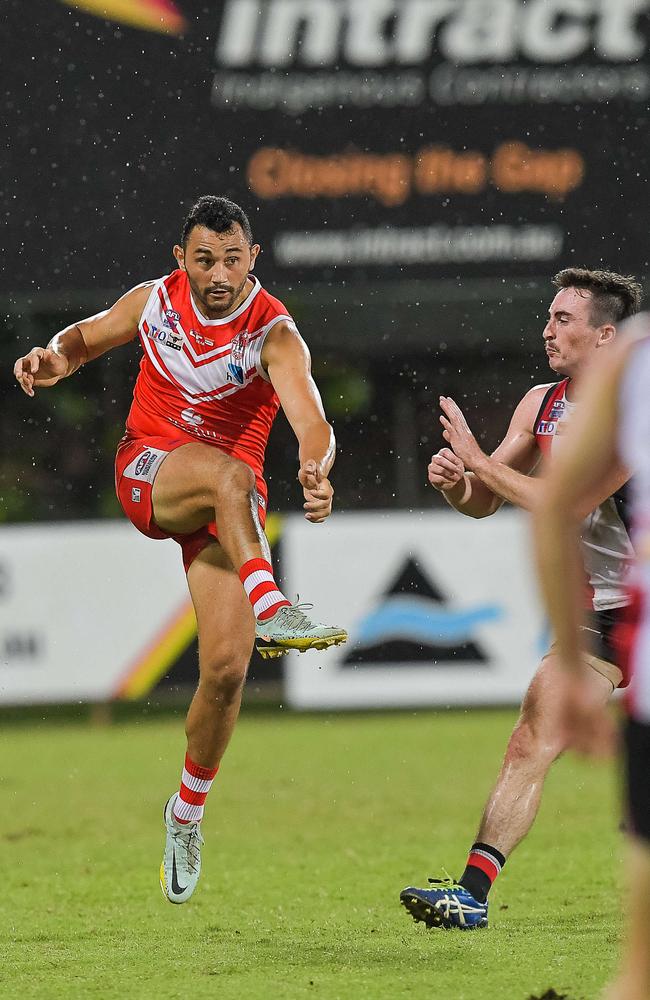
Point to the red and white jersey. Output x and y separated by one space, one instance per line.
605 541
633 437
203 378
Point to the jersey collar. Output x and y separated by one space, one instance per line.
231 316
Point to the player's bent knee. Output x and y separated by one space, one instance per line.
532 742
234 477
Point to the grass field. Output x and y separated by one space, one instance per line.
312 828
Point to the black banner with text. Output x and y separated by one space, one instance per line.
368 139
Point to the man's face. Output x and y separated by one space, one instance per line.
217 266
570 339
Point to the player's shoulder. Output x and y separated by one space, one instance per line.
530 406
144 289
270 305
137 296
536 395
542 388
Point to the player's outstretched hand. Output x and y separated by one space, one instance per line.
457 433
40 368
445 470
318 492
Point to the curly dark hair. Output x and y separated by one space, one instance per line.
614 296
218 214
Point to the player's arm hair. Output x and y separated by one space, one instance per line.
89 338
582 469
286 359
505 475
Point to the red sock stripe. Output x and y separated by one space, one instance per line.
487 866
192 798
260 590
252 566
204 773
273 610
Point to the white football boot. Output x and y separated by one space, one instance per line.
291 628
181 863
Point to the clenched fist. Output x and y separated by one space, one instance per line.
445 470
318 492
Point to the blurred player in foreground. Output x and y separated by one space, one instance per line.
582 325
613 427
220 356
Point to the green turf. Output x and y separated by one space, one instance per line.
312 829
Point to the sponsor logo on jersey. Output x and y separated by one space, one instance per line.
235 373
191 417
144 463
557 410
236 364
168 338
136 494
200 339
171 318
145 466
547 427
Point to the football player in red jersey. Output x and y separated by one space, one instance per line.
220 356
582 324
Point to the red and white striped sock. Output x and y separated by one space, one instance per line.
261 588
195 785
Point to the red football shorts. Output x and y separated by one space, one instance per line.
136 464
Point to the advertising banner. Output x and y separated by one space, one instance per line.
88 612
369 139
441 610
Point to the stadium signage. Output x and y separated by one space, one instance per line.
429 624
420 138
371 33
392 178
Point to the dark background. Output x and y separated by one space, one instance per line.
113 130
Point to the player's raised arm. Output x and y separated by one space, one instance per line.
504 475
286 358
82 342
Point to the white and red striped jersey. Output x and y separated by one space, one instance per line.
203 378
633 438
605 541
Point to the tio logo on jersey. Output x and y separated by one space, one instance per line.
191 417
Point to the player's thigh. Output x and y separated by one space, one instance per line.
539 707
226 625
183 495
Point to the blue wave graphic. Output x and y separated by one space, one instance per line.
237 372
422 620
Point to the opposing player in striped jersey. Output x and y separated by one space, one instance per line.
613 427
582 323
220 356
